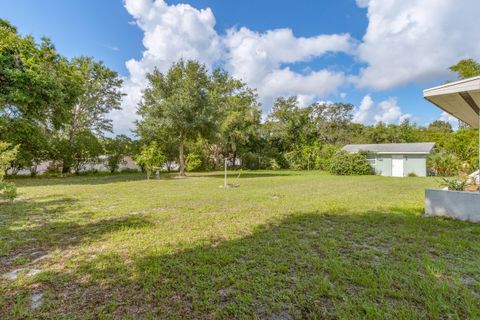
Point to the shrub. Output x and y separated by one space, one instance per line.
344 163
193 162
443 164
274 165
323 159
454 184
150 159
412 174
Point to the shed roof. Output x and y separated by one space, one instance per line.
461 99
392 148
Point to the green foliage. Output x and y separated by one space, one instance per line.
193 162
345 164
34 144
458 184
150 158
443 163
35 82
466 68
179 103
274 165
7 156
100 94
323 159
117 148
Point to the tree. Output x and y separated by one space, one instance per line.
239 117
466 68
287 125
35 82
439 126
32 139
150 158
331 121
7 156
117 148
100 93
37 90
179 104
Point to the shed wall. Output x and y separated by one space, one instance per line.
416 164
384 165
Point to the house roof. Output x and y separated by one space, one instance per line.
392 148
461 99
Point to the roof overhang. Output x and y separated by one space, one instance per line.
461 99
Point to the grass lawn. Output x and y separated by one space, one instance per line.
284 245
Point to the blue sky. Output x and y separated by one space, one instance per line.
377 55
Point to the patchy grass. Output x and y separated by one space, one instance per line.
284 245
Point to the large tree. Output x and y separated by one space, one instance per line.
37 90
179 104
238 119
100 94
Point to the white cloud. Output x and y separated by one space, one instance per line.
362 114
386 111
171 32
416 40
450 119
179 31
406 41
257 58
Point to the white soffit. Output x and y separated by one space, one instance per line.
461 99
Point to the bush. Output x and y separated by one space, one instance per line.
274 165
344 163
323 159
443 164
150 158
194 162
454 184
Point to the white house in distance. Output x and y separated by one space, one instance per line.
395 159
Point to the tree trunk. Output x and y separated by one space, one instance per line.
71 139
234 160
181 154
216 157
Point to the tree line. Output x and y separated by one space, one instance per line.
54 108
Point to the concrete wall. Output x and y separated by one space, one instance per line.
454 204
415 164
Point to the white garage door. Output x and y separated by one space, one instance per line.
397 166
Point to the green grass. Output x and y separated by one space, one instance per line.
284 245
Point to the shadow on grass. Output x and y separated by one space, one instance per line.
317 265
77 180
246 174
42 225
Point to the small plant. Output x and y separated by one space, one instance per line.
412 175
150 159
459 184
274 165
